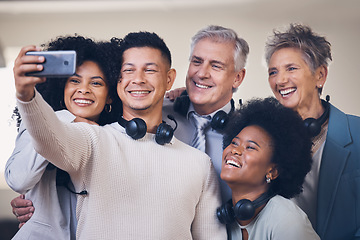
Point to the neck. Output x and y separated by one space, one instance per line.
206 109
313 110
152 119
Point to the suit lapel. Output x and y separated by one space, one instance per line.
332 165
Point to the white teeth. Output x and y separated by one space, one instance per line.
82 101
201 86
140 92
233 163
287 91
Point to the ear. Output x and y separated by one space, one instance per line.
272 173
239 77
321 72
108 100
171 75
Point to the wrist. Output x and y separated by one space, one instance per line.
25 97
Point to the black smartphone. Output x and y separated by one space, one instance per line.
57 64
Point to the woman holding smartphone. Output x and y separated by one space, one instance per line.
87 96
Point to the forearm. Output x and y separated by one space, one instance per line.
58 142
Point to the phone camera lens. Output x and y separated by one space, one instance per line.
66 63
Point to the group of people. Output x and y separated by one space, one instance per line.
105 164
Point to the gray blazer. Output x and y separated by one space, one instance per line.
28 173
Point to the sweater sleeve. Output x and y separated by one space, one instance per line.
206 225
25 166
66 145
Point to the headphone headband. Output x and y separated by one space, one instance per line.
314 125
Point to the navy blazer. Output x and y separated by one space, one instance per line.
338 202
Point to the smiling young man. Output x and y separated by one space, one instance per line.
216 70
151 190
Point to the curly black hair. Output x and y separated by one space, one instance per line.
291 143
106 54
146 39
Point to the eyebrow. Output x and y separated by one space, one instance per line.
271 69
250 141
94 77
254 143
211 61
147 64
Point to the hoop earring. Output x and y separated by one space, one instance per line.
108 108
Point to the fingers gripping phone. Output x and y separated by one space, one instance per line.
56 64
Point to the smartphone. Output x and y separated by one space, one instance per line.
56 64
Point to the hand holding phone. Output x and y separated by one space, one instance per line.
56 64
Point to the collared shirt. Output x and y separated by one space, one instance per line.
214 139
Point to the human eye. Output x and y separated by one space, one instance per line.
272 73
150 70
234 142
97 83
128 70
249 147
217 66
74 80
196 61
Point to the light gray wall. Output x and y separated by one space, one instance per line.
253 20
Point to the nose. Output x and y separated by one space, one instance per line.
138 77
84 88
281 78
203 72
237 150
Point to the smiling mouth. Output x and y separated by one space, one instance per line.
201 86
287 91
138 92
233 163
83 101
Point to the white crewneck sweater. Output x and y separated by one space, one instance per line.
137 189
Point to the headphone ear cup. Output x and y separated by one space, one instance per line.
136 128
182 104
244 209
312 126
219 120
225 213
164 133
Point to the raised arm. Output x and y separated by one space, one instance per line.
65 145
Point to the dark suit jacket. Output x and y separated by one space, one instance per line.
338 206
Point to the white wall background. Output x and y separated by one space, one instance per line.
35 22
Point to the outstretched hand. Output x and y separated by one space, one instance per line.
24 64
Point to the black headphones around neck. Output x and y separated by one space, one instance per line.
313 125
218 121
136 128
244 209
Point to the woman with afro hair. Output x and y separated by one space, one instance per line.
267 154
87 96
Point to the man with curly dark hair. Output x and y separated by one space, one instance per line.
267 154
